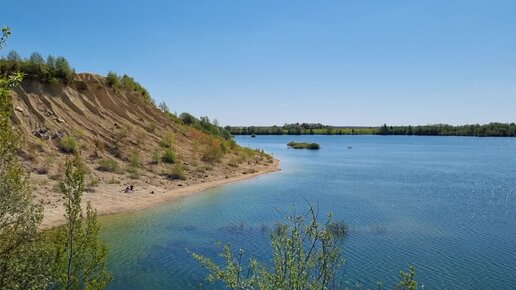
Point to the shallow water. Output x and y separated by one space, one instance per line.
444 204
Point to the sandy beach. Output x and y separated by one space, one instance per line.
111 199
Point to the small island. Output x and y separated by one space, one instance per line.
303 145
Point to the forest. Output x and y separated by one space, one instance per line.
477 130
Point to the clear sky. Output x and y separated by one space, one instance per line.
265 62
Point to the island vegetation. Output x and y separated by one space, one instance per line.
303 145
486 130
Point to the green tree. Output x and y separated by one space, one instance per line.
36 58
305 255
163 107
22 260
80 255
113 79
407 281
63 70
13 56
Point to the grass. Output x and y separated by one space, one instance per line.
177 172
114 181
167 141
303 145
234 162
68 145
134 165
168 156
108 165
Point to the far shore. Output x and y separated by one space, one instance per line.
109 199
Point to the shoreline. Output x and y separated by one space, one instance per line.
109 200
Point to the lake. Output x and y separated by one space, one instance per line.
444 204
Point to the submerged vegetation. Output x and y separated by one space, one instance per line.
303 145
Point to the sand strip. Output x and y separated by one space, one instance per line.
108 198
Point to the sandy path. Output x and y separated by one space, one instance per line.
108 199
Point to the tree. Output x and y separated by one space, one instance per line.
407 281
51 63
63 70
113 79
22 261
305 255
14 56
80 255
36 58
163 107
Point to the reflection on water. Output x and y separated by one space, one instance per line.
445 204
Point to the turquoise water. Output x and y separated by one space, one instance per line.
444 204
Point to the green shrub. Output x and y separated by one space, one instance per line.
112 79
213 151
167 141
108 165
168 156
69 145
134 160
177 172
156 157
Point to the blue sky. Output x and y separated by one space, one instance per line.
265 62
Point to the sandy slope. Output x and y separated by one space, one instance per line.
117 124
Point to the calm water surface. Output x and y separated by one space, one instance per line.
444 204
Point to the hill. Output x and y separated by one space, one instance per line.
125 140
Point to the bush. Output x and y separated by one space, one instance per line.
156 157
134 165
169 156
188 119
213 151
134 160
167 141
112 79
69 145
108 165
177 172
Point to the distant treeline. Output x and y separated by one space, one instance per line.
301 129
487 130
